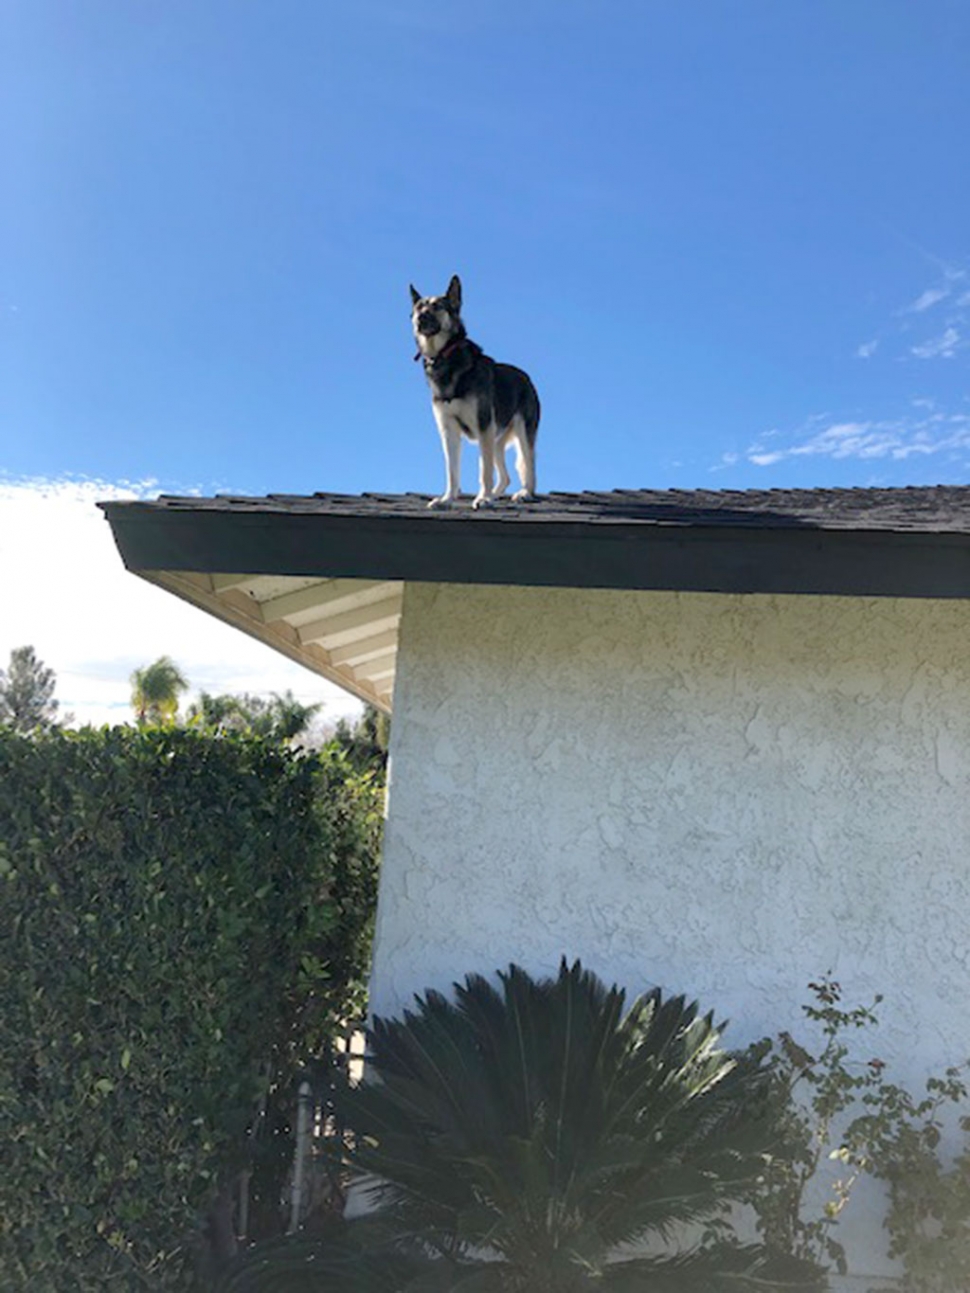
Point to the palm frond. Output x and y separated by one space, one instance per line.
719 1268
353 1263
544 1121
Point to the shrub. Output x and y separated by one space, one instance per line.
182 919
839 1108
538 1135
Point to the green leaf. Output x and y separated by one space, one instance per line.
135 945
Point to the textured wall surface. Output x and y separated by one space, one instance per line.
723 795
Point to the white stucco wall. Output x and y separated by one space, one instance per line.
724 795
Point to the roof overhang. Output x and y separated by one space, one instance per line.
321 578
343 629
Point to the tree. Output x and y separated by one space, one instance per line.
155 691
279 718
27 692
537 1136
365 742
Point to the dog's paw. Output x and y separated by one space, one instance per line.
483 500
445 500
522 496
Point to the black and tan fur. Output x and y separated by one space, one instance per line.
473 396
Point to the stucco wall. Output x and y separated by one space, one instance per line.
724 795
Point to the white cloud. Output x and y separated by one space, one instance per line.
932 296
896 440
944 346
66 593
867 349
950 287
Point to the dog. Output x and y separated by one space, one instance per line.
475 397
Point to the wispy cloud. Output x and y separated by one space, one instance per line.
932 296
67 594
944 346
919 434
904 321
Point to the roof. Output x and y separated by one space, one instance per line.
320 577
935 508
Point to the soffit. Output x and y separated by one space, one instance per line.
346 630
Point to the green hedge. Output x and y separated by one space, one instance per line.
183 918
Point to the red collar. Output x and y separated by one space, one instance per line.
453 344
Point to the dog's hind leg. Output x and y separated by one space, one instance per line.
486 487
501 444
525 459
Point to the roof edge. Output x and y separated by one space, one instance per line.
454 548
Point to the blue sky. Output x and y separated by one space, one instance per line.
728 239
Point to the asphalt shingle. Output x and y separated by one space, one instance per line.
936 509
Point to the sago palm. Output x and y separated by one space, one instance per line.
531 1132
536 1136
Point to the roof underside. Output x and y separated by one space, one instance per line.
344 629
320 578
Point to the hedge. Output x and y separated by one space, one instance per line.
184 918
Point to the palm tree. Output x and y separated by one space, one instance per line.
277 718
155 691
216 713
287 718
365 742
536 1138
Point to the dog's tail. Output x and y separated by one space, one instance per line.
531 412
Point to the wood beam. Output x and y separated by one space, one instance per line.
339 630
382 667
348 593
220 583
356 653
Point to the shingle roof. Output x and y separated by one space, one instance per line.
926 509
912 542
321 577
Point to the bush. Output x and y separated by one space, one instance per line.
543 1135
183 918
843 1109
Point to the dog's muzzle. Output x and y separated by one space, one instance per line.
428 324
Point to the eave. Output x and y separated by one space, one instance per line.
321 578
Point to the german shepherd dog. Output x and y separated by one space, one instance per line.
473 396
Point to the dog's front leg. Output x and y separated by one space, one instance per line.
451 443
486 478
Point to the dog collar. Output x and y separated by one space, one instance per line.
453 344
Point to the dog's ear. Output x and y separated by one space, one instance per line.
415 295
454 294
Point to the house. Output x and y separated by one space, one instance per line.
714 741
